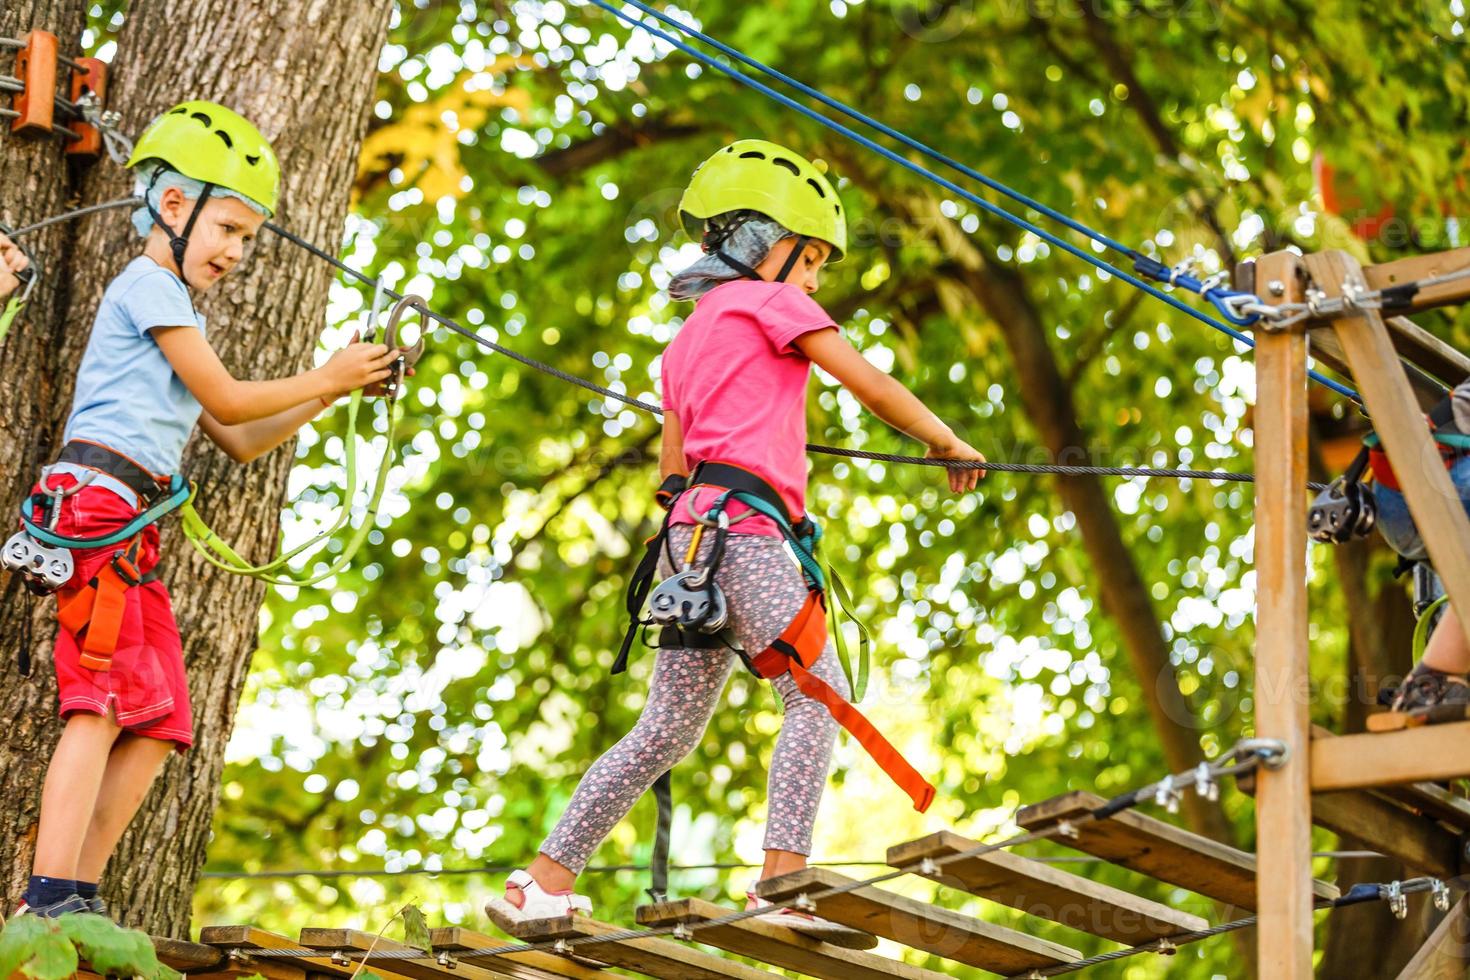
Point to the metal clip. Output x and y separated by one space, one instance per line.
1067 829
804 904
928 868
1398 904
1441 895
682 931
1204 782
340 958
446 961
562 946
390 337
1166 795
1165 947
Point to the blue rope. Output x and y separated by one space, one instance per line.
949 185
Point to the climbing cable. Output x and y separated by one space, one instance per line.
949 185
655 410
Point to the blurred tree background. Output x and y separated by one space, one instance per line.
422 722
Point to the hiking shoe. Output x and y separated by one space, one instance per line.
1427 691
97 906
526 901
811 926
68 905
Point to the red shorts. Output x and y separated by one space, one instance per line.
145 687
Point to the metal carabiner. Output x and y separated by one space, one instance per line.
411 356
61 493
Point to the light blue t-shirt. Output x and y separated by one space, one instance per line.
128 397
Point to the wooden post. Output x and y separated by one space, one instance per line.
1399 422
1283 796
1443 956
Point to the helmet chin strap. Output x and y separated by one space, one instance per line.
178 243
796 250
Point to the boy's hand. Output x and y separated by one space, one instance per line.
12 262
960 480
380 389
359 365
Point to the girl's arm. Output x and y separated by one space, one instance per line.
671 448
890 401
247 441
232 401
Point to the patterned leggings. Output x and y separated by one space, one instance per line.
765 590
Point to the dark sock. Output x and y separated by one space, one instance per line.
87 889
48 891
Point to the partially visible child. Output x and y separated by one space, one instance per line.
1438 683
148 376
12 263
735 392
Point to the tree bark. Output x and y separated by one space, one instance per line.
35 180
305 74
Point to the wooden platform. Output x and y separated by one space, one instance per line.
1047 892
662 958
1431 753
1157 849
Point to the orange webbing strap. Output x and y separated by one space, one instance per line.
799 646
98 609
872 740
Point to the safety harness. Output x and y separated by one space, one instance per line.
691 613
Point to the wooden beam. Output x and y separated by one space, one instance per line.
919 925
1046 892
1431 496
1386 275
773 944
1283 686
1426 351
178 954
456 940
1443 956
1422 844
1160 850
1429 753
659 958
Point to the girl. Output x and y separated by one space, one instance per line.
735 381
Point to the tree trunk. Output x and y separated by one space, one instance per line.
305 74
34 181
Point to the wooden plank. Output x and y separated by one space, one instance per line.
781 947
228 938
456 940
1383 826
1046 892
927 927
1151 847
1386 275
1431 496
654 957
1411 755
1283 685
184 956
1443 955
355 943
1427 799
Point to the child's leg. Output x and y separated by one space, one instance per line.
73 782
1447 650
686 687
799 768
134 761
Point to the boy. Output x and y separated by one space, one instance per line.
209 180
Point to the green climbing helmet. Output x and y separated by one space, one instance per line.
759 175
215 145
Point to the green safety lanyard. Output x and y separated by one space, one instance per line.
8 315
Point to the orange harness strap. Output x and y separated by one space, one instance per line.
798 647
97 608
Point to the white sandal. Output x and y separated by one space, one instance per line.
526 901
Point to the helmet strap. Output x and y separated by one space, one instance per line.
178 243
796 250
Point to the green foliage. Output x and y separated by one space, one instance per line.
50 949
434 709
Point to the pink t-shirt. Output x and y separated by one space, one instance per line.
738 386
